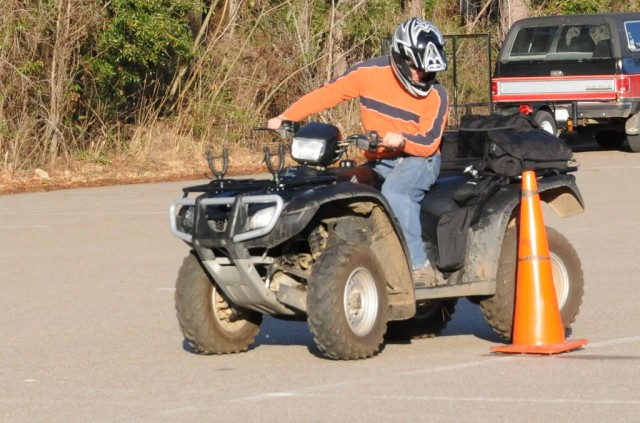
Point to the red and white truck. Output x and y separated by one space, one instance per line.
574 72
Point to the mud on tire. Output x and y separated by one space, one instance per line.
209 323
567 274
347 304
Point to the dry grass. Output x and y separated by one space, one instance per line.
155 153
249 65
83 173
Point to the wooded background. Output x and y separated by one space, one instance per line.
152 81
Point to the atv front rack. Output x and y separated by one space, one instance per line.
238 206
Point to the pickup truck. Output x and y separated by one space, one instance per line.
574 72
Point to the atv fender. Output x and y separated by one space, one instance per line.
366 218
483 252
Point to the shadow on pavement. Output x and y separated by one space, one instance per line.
580 144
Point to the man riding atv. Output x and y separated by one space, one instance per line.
324 244
401 100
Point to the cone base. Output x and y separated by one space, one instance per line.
540 349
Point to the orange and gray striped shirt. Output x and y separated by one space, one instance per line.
385 106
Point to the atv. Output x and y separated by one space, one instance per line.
318 242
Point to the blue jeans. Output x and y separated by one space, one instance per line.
407 178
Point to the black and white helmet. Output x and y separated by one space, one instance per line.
417 44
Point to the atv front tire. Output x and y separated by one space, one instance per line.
347 305
567 276
209 323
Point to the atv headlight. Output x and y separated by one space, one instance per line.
182 220
262 217
307 150
185 218
316 144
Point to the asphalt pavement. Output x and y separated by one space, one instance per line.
88 331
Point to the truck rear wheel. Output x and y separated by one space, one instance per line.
634 143
567 275
546 122
209 322
347 304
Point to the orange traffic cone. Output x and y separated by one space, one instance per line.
537 324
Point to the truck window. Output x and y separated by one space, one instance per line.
565 42
594 39
632 28
577 39
532 41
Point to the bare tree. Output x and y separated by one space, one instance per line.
512 11
234 7
413 8
509 11
337 62
65 48
475 12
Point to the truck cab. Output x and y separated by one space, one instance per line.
574 72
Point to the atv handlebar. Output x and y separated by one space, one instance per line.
286 130
369 141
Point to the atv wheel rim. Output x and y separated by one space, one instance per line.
560 280
361 301
226 316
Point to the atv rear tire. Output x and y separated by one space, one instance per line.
567 274
347 304
429 321
208 321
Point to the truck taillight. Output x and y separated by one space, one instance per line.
623 84
526 109
494 88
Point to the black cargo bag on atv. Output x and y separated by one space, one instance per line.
509 145
453 226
